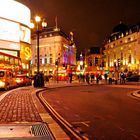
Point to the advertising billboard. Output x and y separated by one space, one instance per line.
25 34
9 30
15 11
9 45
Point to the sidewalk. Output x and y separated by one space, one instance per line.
20 116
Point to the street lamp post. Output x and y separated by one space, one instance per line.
39 80
38 30
57 65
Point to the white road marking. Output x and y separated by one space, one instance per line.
86 123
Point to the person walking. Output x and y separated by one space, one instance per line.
110 76
92 77
105 76
98 77
70 77
122 78
87 78
116 77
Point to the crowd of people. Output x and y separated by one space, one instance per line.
111 77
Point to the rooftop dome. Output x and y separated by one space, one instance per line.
120 28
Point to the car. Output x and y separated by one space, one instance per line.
23 80
7 80
133 78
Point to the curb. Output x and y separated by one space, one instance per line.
136 94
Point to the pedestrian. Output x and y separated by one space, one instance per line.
83 77
80 77
116 77
97 78
105 76
47 79
87 78
41 79
122 78
35 78
92 77
70 77
110 76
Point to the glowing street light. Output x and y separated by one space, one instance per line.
39 29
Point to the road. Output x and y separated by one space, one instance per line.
99 112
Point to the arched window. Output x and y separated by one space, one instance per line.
129 59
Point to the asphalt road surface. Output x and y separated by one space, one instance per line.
99 112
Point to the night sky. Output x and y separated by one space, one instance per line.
91 21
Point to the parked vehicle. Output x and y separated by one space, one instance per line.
133 77
7 80
23 80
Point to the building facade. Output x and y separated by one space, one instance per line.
55 51
94 61
122 50
15 32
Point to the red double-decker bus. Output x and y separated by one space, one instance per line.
9 62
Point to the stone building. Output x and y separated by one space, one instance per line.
93 60
122 49
56 51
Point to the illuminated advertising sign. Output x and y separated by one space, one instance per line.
12 10
9 45
13 53
14 24
9 30
25 34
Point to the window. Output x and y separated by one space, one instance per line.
1 57
40 60
7 58
45 60
51 61
11 60
16 61
35 60
129 59
96 61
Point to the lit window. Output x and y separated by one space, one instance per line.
51 61
45 60
1 57
35 60
129 59
7 58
